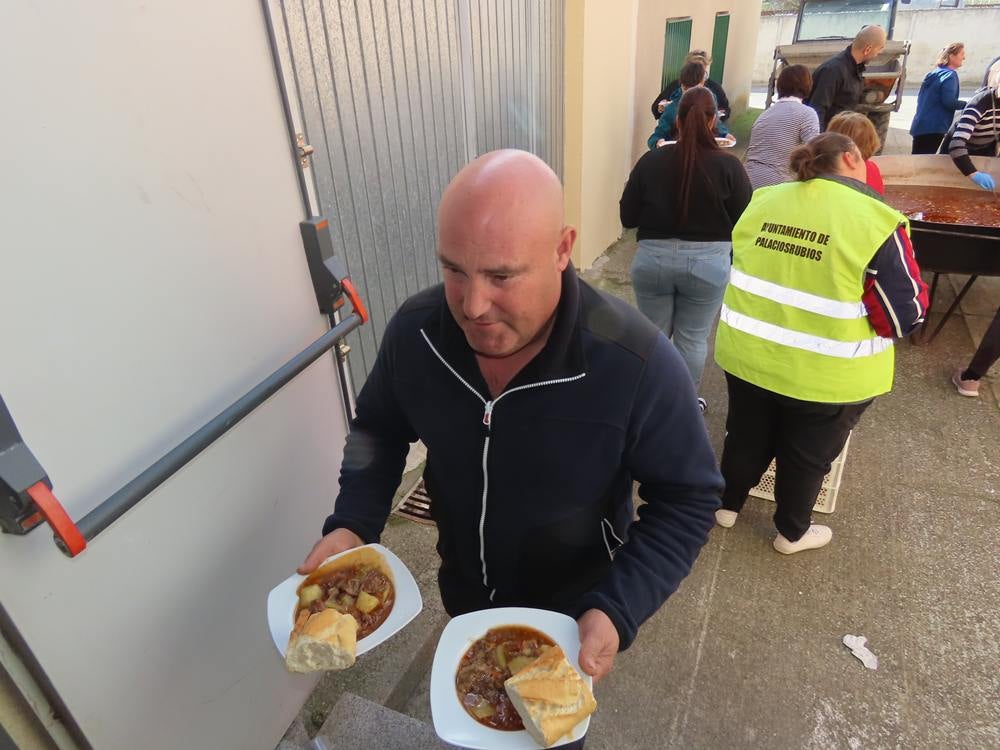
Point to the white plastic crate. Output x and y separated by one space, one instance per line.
826 502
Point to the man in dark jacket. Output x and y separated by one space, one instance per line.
837 83
540 401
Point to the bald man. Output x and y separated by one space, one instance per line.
838 83
540 400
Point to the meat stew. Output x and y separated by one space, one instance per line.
487 663
362 591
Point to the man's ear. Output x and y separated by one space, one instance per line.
564 250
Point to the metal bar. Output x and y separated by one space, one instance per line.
954 306
915 226
121 501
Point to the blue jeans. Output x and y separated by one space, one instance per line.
679 286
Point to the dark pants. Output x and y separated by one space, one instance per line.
927 144
802 436
987 353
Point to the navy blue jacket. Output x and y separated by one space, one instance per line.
532 490
936 102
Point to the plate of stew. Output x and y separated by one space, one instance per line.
475 654
383 601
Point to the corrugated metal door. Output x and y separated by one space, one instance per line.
395 96
676 43
720 40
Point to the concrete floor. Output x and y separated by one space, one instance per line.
748 652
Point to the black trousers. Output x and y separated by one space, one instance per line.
926 144
802 436
988 351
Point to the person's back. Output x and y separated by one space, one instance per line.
717 197
823 280
780 129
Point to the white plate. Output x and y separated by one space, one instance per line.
282 599
451 722
723 142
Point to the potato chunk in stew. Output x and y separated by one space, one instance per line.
487 663
362 591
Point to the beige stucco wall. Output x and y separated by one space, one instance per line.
614 55
741 49
599 71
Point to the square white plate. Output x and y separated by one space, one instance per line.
451 722
282 599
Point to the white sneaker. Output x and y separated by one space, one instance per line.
725 518
815 537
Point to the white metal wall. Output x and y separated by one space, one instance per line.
395 96
152 272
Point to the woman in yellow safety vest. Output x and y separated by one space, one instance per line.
823 280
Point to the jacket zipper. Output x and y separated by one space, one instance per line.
488 406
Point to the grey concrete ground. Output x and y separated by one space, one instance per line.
748 652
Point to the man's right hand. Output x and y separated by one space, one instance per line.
661 105
338 540
985 181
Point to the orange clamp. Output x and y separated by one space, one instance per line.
58 519
355 298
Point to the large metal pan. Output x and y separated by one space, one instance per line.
946 248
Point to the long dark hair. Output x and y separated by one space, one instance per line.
694 137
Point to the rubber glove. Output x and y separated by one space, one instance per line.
984 180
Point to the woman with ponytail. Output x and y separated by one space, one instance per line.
823 280
685 199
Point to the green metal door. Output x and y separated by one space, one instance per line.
719 40
676 43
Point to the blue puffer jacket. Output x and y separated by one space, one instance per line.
532 490
936 102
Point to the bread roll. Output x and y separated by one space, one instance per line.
550 696
325 640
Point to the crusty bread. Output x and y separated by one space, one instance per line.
325 640
550 696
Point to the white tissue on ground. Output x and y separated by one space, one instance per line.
858 646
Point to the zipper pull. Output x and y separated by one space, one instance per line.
488 414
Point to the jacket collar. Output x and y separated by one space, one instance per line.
850 182
561 357
851 62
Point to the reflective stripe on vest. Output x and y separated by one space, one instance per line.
831 308
792 320
804 341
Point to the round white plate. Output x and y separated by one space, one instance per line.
723 142
282 599
451 722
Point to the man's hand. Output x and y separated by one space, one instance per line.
661 142
661 105
336 541
598 643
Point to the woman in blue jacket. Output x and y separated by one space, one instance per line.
937 101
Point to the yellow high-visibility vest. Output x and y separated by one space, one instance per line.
792 320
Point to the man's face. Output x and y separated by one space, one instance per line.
503 286
872 51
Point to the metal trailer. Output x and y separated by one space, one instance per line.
824 27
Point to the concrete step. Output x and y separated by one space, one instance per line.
356 722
